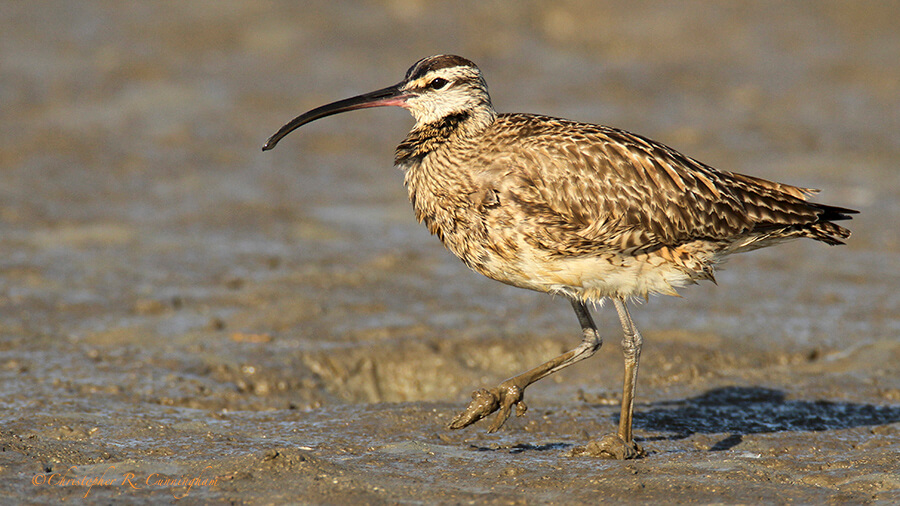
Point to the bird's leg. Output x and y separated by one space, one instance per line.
631 347
621 445
511 392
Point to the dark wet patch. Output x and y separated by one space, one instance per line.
521 447
756 410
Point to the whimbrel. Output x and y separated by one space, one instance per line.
583 211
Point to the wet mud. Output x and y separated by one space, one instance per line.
184 318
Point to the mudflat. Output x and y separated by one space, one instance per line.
185 318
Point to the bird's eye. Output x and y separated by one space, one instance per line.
438 83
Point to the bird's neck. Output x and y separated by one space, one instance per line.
426 138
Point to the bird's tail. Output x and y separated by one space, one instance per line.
782 211
824 229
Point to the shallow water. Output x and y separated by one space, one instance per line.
177 303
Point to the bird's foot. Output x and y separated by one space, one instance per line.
610 447
484 402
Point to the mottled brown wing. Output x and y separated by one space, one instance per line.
616 189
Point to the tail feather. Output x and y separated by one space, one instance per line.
834 213
782 211
824 230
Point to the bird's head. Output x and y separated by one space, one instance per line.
433 89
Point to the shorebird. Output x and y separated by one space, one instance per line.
583 211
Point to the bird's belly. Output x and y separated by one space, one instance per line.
587 277
507 255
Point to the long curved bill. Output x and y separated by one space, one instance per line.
390 96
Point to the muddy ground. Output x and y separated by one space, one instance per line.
184 318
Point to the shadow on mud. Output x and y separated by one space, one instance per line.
753 410
522 447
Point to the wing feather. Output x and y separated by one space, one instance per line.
603 187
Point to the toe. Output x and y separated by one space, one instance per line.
483 404
610 447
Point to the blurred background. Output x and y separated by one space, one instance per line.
152 256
